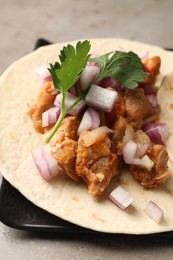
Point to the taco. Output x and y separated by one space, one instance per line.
64 196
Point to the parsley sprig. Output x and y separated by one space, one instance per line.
126 67
66 73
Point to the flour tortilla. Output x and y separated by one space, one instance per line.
61 196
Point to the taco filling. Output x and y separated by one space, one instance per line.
99 130
99 114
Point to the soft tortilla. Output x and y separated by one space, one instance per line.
61 196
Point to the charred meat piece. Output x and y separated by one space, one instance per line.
152 67
95 163
158 154
138 107
64 145
45 100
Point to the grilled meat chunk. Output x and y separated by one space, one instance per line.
152 67
95 163
122 133
138 107
158 154
44 101
64 145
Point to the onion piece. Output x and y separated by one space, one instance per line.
145 162
101 98
158 132
129 151
86 122
96 134
121 198
41 165
90 120
88 75
154 211
45 163
69 100
50 116
50 160
129 155
43 73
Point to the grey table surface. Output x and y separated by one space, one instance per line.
21 24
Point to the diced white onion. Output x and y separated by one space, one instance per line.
90 120
121 198
95 135
69 100
101 98
154 211
50 116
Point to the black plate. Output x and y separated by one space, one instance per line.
19 213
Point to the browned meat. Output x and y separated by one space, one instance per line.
152 67
64 145
122 133
45 100
158 154
96 164
118 109
138 106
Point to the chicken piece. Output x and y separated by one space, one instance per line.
96 164
138 107
152 67
64 145
44 101
122 133
118 109
158 154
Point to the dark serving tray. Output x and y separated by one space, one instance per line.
19 213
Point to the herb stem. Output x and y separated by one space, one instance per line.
63 113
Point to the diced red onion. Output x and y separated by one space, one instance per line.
158 132
73 91
88 75
111 82
51 162
90 120
120 197
69 100
144 55
129 151
153 100
45 163
50 116
94 135
101 98
154 211
41 165
95 118
129 155
43 73
145 162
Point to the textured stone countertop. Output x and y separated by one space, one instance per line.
21 24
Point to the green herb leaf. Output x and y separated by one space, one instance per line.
126 67
66 73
